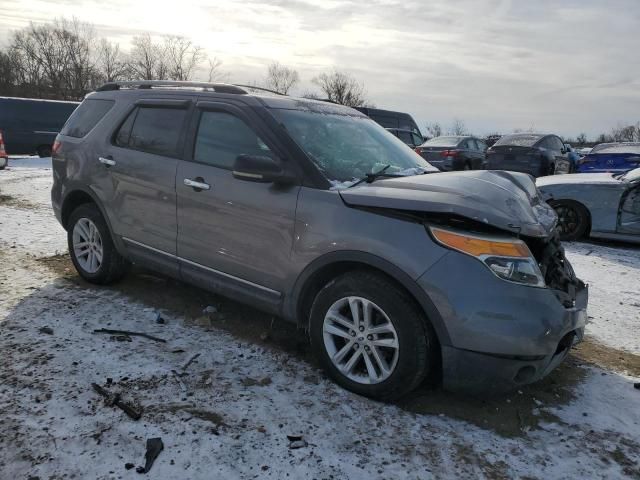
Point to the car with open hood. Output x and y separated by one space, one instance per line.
600 205
313 212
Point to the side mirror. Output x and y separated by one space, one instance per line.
262 169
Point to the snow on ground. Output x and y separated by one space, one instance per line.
229 414
614 303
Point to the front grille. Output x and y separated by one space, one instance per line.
556 269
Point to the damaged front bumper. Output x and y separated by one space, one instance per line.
503 335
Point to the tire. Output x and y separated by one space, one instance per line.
87 226
408 365
44 151
573 219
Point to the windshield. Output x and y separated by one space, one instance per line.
443 142
346 148
518 140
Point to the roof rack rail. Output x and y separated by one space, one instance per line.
262 89
144 84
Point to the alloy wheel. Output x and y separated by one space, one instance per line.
87 245
360 340
568 220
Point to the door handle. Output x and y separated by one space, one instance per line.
109 162
197 184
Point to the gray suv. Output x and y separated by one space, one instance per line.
313 212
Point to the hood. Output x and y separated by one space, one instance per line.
505 200
574 178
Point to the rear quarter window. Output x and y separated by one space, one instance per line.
153 130
85 117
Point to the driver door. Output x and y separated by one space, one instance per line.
235 236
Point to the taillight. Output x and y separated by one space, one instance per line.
418 150
3 153
448 153
57 144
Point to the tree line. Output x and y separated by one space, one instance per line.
620 133
66 59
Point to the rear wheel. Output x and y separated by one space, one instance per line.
573 219
370 336
90 246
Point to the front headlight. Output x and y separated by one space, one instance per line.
508 258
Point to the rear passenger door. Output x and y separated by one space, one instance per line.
141 164
234 236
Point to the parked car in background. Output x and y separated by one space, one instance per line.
573 156
401 276
600 205
611 157
391 119
409 137
30 126
454 153
533 153
491 139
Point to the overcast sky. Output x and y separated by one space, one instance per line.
565 66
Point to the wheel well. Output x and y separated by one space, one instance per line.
568 201
73 201
325 274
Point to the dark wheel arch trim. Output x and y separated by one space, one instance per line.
66 208
294 303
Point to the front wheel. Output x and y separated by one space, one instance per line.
90 246
573 220
370 336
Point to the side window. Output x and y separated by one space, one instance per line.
469 144
124 132
546 144
405 137
153 130
557 144
85 117
481 145
222 137
417 139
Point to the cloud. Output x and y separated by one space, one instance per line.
566 67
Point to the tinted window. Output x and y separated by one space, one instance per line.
521 140
481 145
417 139
85 117
155 130
222 137
556 144
405 137
469 144
124 133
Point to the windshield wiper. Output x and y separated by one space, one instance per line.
372 177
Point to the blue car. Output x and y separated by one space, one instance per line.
611 157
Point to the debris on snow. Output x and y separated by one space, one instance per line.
114 399
191 360
47 330
127 332
154 447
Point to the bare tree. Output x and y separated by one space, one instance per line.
183 57
458 127
342 88
581 139
434 129
281 78
111 63
54 59
147 58
215 71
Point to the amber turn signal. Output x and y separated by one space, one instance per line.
479 246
